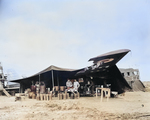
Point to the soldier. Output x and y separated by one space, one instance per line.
76 85
69 84
37 87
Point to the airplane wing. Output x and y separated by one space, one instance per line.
104 69
104 61
110 57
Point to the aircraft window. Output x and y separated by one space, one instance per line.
128 73
0 76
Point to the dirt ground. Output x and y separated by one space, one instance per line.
134 105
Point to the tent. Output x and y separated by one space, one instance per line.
51 76
103 71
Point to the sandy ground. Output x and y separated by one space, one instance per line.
134 105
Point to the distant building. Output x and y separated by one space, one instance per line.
12 89
3 78
132 76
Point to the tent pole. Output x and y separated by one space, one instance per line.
39 78
52 79
57 79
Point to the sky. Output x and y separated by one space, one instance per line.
35 34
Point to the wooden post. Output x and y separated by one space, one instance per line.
101 95
108 94
68 96
74 95
96 92
78 95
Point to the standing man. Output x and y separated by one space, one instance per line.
76 85
69 84
37 87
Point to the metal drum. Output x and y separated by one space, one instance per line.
42 89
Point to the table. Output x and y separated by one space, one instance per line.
105 90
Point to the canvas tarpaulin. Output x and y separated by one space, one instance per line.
51 76
106 71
